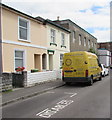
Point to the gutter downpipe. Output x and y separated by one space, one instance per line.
1 67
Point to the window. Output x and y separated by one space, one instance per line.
80 40
74 36
23 29
92 44
62 39
19 58
61 59
52 36
95 46
84 41
89 43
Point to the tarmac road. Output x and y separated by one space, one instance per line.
73 101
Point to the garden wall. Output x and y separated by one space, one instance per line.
27 79
39 77
6 81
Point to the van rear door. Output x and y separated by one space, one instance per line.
74 65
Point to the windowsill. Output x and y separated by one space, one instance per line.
53 44
24 40
63 46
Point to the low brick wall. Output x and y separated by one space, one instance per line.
39 77
6 81
26 79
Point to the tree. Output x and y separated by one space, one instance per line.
92 50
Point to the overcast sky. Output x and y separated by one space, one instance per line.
91 15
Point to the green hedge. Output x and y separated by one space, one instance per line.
34 70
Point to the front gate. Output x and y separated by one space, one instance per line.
17 80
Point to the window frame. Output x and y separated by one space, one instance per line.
80 39
85 41
28 29
53 36
61 59
62 39
92 44
74 36
24 54
89 43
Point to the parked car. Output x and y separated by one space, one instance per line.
104 70
110 66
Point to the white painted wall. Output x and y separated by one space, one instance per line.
104 57
39 77
58 50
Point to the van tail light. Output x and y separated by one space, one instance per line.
63 73
86 73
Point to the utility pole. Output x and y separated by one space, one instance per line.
1 69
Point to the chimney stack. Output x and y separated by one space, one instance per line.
58 18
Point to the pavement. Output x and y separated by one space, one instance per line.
24 93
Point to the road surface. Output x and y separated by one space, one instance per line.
68 101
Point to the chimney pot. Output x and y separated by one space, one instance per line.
58 18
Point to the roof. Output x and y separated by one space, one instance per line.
39 19
57 25
77 26
45 21
80 53
19 12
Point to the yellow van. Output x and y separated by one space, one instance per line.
80 66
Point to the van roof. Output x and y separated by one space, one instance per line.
81 52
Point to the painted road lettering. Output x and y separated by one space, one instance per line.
47 113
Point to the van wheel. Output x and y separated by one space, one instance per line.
68 83
100 78
90 83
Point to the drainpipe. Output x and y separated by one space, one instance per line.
1 69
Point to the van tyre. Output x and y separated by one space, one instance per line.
100 78
90 83
68 83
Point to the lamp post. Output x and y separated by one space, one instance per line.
1 69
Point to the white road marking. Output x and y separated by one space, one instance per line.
73 95
47 113
68 93
41 112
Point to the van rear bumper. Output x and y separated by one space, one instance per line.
76 79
